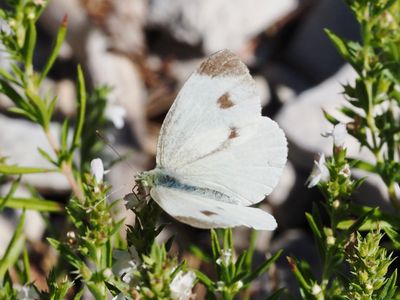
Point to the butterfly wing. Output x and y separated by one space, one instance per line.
203 212
214 136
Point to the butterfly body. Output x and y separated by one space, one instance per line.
216 154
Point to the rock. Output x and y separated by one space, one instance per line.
6 233
298 244
120 73
19 144
282 190
303 122
217 24
310 50
65 91
34 226
124 24
78 25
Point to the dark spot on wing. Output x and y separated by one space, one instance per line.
233 134
224 101
208 213
223 63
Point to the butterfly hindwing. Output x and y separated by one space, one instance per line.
203 212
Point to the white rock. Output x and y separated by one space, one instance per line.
118 72
217 24
284 187
6 233
19 140
125 25
303 122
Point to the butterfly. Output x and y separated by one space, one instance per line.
216 154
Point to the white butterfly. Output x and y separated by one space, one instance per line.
216 154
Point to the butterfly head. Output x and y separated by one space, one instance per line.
146 179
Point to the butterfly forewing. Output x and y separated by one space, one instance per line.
214 138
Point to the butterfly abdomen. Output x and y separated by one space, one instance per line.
166 180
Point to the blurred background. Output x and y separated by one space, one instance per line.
145 50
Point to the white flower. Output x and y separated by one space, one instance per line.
126 264
345 171
116 114
28 292
316 289
339 134
225 258
97 169
319 173
5 28
181 286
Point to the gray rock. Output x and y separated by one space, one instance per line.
310 50
19 141
217 24
34 226
120 73
303 122
124 24
300 245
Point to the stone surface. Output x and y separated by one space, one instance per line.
34 226
301 245
303 121
311 51
19 141
124 24
217 24
122 75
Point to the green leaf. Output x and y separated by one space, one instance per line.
23 113
46 156
216 249
10 193
14 249
14 96
68 254
277 294
29 45
318 234
33 204
360 221
50 109
27 267
56 48
331 119
205 280
199 253
64 135
339 43
40 109
16 170
393 235
262 268
81 109
389 289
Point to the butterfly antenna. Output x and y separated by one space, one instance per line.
108 143
109 195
